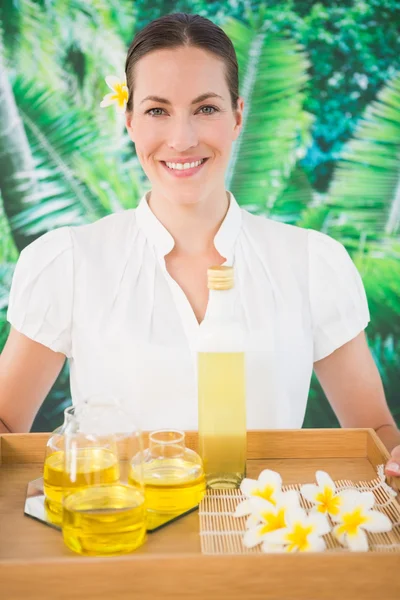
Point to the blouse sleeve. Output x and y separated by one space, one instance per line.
40 303
339 304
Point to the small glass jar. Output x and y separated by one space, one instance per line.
173 476
103 512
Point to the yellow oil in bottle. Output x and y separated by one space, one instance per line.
94 466
172 486
222 417
104 519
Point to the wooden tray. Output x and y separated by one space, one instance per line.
35 563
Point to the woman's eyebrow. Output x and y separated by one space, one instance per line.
195 101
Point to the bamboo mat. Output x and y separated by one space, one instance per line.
222 533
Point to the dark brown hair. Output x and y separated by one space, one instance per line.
182 29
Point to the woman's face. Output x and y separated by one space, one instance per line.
182 113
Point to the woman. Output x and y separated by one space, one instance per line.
122 298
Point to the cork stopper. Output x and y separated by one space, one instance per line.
220 278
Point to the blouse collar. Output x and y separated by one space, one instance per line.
163 241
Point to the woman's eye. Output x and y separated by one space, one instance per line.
208 110
213 109
150 112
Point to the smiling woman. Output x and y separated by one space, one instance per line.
123 297
183 134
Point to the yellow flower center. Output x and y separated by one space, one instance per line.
267 493
298 537
273 521
351 522
121 93
328 502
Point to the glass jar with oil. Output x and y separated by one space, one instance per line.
53 470
103 512
93 464
221 385
173 477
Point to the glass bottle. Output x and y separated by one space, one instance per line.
221 385
103 512
53 470
173 476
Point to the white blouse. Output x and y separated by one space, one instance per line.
101 295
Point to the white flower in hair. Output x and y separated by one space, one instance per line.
119 96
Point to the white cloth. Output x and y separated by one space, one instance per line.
100 294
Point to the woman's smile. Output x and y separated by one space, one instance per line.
187 169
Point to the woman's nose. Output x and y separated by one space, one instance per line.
182 135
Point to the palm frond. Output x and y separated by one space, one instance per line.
294 199
315 216
58 197
381 278
114 183
365 193
70 46
8 249
273 73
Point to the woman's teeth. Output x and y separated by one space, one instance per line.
183 166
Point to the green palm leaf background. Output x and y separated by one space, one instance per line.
67 162
273 74
365 194
362 210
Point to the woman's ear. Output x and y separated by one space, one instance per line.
238 118
128 123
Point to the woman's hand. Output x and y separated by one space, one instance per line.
392 468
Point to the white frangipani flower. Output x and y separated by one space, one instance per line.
268 486
355 518
119 97
267 517
324 495
302 533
